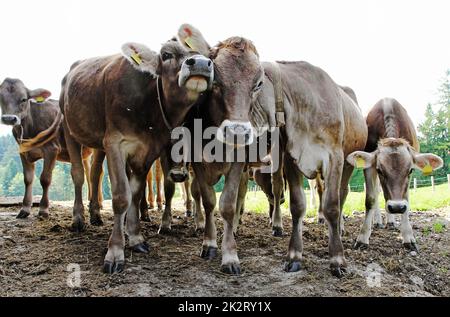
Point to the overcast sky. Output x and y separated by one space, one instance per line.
381 48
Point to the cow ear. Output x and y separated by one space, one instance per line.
141 57
427 163
192 38
39 95
360 159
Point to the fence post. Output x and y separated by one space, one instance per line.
415 184
432 182
448 180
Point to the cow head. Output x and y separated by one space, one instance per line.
15 100
238 80
394 161
177 67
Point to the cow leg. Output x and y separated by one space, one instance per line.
28 173
243 185
409 242
320 189
298 209
227 206
390 219
46 180
87 175
135 239
159 184
166 220
271 208
198 214
186 188
312 193
143 205
277 190
96 177
77 172
331 207
372 194
346 175
151 195
377 218
121 200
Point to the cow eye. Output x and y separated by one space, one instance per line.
166 56
24 100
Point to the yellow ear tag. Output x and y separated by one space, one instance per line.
360 162
136 58
427 170
189 42
39 99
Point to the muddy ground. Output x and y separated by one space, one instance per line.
35 254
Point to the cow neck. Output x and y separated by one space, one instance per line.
164 116
161 108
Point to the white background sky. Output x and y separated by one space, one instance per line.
380 48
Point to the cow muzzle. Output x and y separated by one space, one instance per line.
179 175
397 206
11 120
235 133
197 74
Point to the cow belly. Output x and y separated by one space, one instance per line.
85 127
309 157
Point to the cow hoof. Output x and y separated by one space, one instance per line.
321 221
360 246
231 269
96 221
145 218
378 226
43 214
160 207
111 268
78 226
411 246
188 214
277 232
338 271
141 248
391 226
293 266
23 214
164 230
208 253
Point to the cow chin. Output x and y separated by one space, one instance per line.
196 84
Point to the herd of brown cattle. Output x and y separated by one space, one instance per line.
124 107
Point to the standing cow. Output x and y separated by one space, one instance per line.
391 154
36 126
127 105
322 126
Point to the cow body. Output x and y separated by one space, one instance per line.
115 104
391 154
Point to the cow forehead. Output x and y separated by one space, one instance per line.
175 48
394 155
12 87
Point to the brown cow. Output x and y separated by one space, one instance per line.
36 122
322 126
391 154
126 105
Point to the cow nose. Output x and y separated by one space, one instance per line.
10 119
397 207
239 134
190 61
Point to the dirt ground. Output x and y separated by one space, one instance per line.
35 255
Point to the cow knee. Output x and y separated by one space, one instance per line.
45 181
121 202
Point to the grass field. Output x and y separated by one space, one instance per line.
422 199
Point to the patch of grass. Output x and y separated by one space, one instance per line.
422 199
438 227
